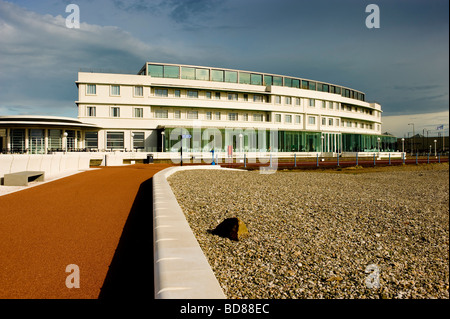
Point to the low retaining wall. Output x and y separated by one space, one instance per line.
51 164
181 269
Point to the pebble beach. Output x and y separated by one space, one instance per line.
315 234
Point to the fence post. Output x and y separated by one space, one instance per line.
317 160
295 160
356 158
338 160
403 157
374 156
270 160
417 158
245 161
389 158
428 158
439 158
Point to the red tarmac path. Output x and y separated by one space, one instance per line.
75 220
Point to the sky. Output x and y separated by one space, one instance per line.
403 64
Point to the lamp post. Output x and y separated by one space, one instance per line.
403 145
378 139
322 137
65 141
435 141
162 140
240 142
413 138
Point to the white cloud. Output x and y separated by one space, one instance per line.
41 58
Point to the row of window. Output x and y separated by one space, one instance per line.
161 92
241 77
114 140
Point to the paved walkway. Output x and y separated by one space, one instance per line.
75 220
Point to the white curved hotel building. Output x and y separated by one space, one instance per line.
220 109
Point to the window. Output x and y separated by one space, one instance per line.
245 116
217 75
192 94
277 99
161 92
91 89
208 95
277 118
312 102
90 111
171 71
217 116
231 76
256 79
209 115
244 78
232 96
305 85
187 73
192 115
91 140
337 122
202 74
155 71
257 117
177 114
115 90
298 119
138 91
330 122
330 105
311 120
349 124
312 86
288 119
297 101
138 140
115 112
217 95
324 104
114 140
257 98
161 114
245 97
324 121
177 93
138 112
288 100
232 116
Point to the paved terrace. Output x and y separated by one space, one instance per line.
96 219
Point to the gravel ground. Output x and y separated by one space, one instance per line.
317 235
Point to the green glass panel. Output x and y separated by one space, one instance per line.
217 75
312 86
231 76
305 85
256 79
155 70
295 83
187 73
287 82
267 79
202 74
277 81
171 71
325 88
244 78
338 90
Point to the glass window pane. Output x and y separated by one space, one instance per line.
256 79
187 73
267 79
91 140
217 75
277 81
155 70
287 82
295 83
231 76
305 85
338 90
202 74
244 78
138 140
171 71
114 140
312 86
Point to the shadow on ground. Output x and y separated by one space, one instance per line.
130 275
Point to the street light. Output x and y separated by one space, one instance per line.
414 142
240 142
378 139
403 145
435 141
65 141
322 137
162 140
